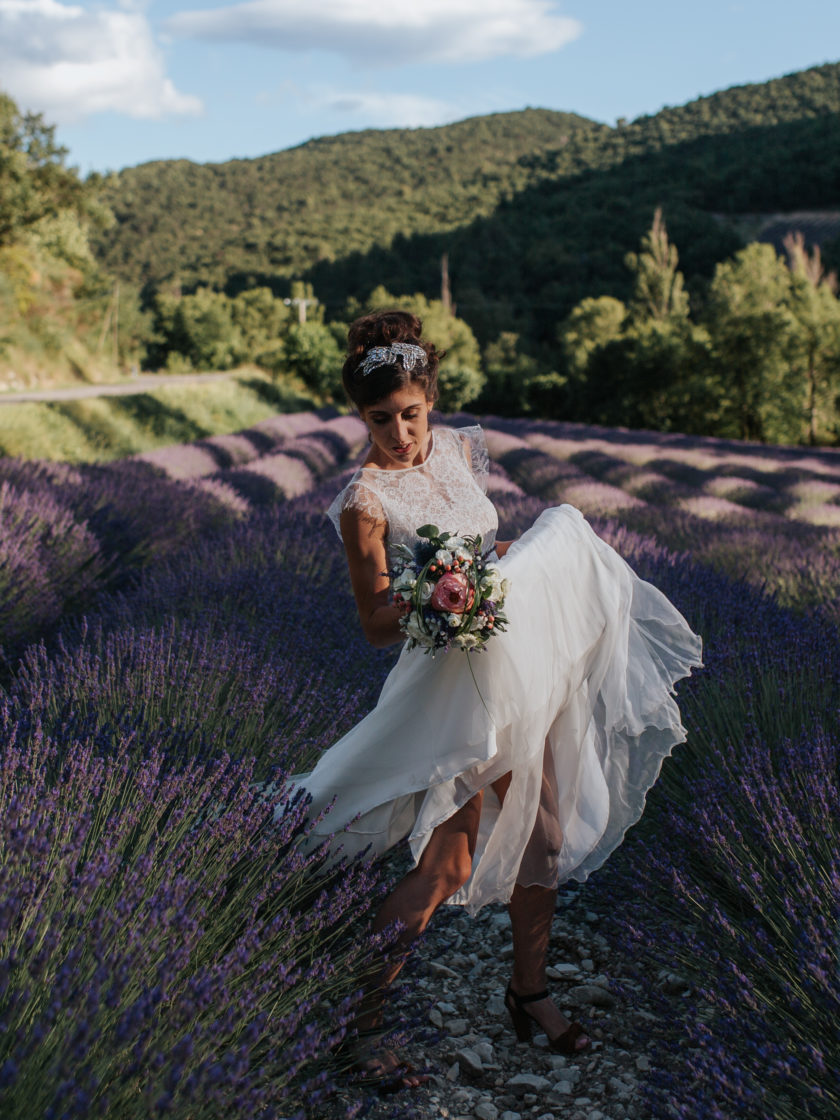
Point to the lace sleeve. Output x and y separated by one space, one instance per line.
355 496
472 439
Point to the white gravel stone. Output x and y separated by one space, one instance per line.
485 1051
528 1083
469 1061
443 970
565 968
571 1074
590 995
643 1062
486 1110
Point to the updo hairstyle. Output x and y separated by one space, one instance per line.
381 328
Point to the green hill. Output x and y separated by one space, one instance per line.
535 208
281 214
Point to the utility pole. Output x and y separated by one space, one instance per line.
116 338
445 290
301 304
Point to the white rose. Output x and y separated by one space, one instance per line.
491 584
426 591
444 556
455 619
405 580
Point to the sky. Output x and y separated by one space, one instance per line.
127 81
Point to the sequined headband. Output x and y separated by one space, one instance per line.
406 352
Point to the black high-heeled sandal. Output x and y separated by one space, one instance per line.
523 1023
366 1054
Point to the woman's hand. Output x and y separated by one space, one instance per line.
367 559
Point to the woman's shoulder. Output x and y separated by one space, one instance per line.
358 496
469 438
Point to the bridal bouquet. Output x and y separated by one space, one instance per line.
449 593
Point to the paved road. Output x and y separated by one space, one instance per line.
141 384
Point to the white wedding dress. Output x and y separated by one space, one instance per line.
575 699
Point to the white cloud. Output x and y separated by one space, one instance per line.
383 110
389 32
67 62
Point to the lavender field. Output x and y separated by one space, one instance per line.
177 630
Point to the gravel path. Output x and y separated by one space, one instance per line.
478 1069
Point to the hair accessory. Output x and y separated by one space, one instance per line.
406 352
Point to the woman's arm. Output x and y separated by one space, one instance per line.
367 559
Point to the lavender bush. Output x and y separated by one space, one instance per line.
166 948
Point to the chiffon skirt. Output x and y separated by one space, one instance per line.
575 700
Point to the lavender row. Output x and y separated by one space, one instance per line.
742 903
69 531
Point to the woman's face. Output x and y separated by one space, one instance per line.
399 425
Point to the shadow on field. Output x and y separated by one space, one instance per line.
282 399
162 420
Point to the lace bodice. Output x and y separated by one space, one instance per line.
447 489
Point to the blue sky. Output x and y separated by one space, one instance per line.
208 80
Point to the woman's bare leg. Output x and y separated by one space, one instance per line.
531 911
444 867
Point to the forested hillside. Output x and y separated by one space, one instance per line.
536 208
280 214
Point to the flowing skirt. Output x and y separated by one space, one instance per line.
575 700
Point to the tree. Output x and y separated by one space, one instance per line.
196 331
816 337
312 353
659 293
591 324
751 330
517 383
262 320
34 182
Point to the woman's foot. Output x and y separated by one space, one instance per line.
384 1071
540 1010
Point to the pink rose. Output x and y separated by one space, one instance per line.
452 593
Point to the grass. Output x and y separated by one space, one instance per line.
96 429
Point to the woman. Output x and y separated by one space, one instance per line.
511 771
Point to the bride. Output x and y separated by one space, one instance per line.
514 770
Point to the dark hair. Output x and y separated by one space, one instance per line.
381 328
